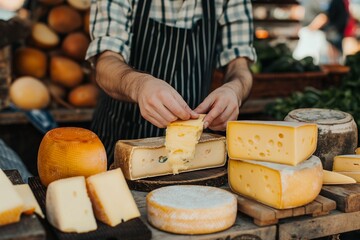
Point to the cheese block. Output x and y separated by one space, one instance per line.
142 158
30 203
346 163
330 178
180 141
277 185
357 151
68 206
11 204
271 141
353 175
190 209
111 197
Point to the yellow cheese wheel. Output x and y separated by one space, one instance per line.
64 19
75 45
84 95
30 62
43 36
65 71
70 151
29 93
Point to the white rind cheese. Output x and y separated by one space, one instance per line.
277 185
190 209
331 178
30 203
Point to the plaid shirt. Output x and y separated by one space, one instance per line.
111 20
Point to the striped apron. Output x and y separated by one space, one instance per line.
182 57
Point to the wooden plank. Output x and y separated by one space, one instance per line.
308 227
327 204
298 211
256 210
313 207
347 197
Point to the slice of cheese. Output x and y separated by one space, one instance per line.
330 178
190 209
180 142
353 175
271 141
277 185
346 163
30 203
68 207
111 197
142 158
357 151
11 204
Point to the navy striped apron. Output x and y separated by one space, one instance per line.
182 57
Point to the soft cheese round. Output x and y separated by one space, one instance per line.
190 209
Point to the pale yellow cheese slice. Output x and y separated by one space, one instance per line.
330 178
147 157
68 207
112 200
11 204
346 163
277 185
353 175
30 203
180 142
271 141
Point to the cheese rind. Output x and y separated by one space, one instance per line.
189 209
68 207
30 203
180 142
357 151
111 197
142 158
353 175
11 204
346 163
330 178
273 141
277 185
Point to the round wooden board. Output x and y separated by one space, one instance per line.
210 177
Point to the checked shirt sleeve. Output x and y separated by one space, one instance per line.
237 31
110 23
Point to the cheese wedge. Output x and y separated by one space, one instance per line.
271 141
190 209
346 163
277 185
353 175
30 203
11 204
111 197
180 142
330 178
142 158
357 151
68 207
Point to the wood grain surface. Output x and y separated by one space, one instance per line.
347 197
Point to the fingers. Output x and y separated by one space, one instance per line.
229 114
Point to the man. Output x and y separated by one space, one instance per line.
154 61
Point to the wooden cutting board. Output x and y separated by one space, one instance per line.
133 229
347 197
29 227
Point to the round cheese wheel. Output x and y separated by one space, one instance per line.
80 4
64 19
75 45
68 152
30 62
65 72
190 209
84 95
29 93
43 36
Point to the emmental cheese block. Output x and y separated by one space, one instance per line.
190 209
11 204
331 178
346 163
180 142
142 158
277 185
111 197
68 207
271 141
30 203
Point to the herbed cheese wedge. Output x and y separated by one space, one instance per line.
353 175
180 142
277 185
68 206
111 197
346 163
330 178
147 157
11 204
30 203
271 141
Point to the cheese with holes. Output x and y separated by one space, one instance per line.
346 163
271 141
190 209
353 175
68 206
30 203
277 185
147 157
111 197
180 142
330 178
11 204
357 151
